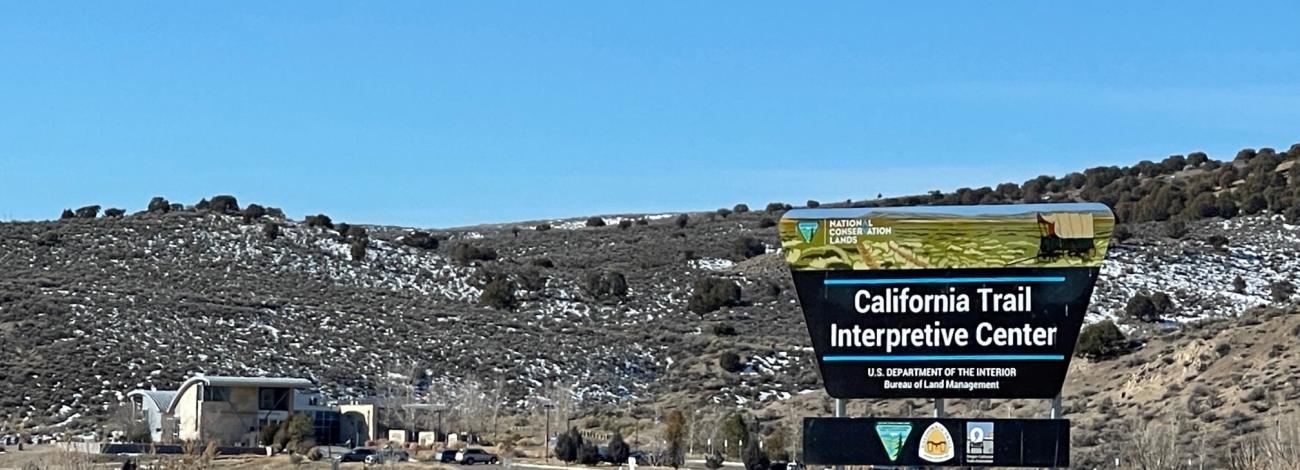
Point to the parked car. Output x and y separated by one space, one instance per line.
358 454
446 455
473 456
387 455
641 457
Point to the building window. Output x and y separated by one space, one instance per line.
273 399
216 393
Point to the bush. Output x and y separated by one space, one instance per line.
746 247
542 227
1204 205
88 212
712 293
320 220
465 253
267 435
1227 208
675 435
542 263
353 232
420 239
588 454
1122 233
776 447
67 214
730 362
1140 307
299 431
724 212
617 449
114 213
253 212
606 285
50 238
1239 285
595 222
499 294
271 230
358 248
567 445
532 279
225 204
681 220
1281 291
723 329
1253 204
625 224
1162 302
643 221
1100 340
158 205
775 207
811 204
740 208
766 222
754 457
1175 229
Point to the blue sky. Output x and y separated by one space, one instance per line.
441 114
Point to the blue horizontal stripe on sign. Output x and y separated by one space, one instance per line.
941 280
990 357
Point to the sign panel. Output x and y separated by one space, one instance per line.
945 301
906 442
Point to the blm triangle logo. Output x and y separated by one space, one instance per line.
807 228
892 437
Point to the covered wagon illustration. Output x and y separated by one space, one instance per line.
1065 233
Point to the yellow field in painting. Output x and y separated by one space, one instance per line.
937 243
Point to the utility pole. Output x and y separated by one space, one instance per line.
546 440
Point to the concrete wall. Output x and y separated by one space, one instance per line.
368 415
229 422
186 414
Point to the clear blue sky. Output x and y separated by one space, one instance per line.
441 114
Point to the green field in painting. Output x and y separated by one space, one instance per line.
948 242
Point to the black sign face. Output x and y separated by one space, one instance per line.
945 302
937 442
982 333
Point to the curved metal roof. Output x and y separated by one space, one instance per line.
162 399
226 381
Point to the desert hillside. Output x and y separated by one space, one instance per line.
620 316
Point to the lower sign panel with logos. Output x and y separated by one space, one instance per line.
937 442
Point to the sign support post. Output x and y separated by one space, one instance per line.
841 409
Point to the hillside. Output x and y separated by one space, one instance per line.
599 317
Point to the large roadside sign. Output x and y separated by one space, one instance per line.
945 301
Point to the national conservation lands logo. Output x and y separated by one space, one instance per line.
892 436
807 229
936 444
